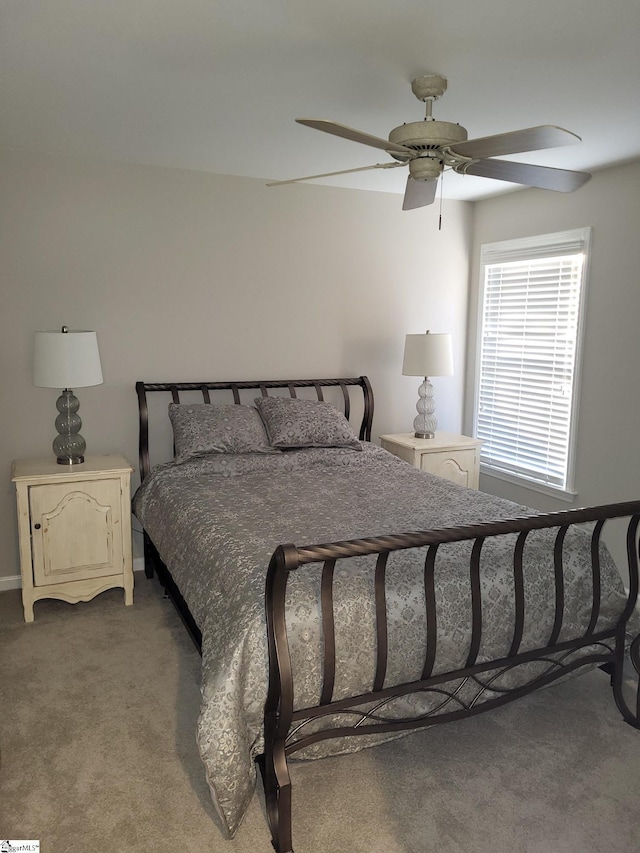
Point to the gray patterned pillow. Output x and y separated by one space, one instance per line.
305 423
207 428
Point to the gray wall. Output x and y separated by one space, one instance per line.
191 276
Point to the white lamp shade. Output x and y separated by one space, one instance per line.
427 355
66 359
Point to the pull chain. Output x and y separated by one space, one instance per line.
440 214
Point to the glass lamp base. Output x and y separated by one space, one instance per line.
425 423
69 446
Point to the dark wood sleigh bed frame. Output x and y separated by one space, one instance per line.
284 726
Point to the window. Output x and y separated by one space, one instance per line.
531 307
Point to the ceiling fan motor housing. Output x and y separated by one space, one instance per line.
427 135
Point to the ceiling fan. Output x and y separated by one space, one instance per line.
428 146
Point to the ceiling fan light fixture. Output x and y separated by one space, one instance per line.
425 168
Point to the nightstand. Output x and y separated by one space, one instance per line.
74 527
454 457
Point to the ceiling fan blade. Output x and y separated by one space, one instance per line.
529 139
543 177
419 193
354 135
342 172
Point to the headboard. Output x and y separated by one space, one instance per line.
208 389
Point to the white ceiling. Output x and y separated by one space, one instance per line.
215 85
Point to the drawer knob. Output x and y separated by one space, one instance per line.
37 526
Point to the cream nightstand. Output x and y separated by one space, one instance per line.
454 457
74 526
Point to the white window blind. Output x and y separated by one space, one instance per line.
530 323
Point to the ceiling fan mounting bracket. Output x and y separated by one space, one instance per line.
429 86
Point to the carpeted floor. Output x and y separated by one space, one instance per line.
98 705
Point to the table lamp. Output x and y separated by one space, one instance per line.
67 359
427 355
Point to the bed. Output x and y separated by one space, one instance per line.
423 602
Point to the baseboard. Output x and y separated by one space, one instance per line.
14 581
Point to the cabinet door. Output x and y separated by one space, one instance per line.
76 530
459 466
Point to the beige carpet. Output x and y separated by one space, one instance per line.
98 705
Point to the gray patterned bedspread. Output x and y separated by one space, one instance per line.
216 522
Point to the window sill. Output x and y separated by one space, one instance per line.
524 483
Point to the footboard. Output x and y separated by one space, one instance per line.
289 728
